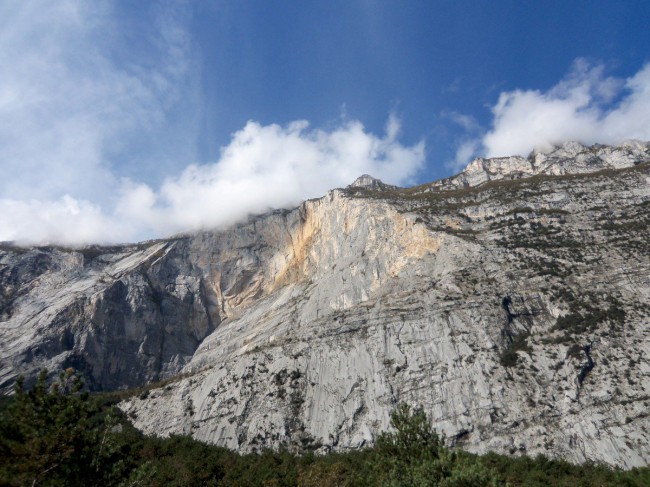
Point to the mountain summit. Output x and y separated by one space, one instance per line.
368 182
509 301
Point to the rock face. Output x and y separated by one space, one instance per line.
112 313
570 158
510 302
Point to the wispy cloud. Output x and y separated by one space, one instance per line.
454 86
468 143
467 122
76 97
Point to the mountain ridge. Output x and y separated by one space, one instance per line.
509 309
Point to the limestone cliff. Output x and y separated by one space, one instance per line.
510 301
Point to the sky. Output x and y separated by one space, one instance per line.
122 121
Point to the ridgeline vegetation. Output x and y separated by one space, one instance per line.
59 435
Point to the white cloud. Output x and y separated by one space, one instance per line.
466 151
467 122
65 220
263 167
467 145
274 166
586 106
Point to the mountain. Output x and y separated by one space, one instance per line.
509 301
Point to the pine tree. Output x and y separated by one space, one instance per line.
49 435
415 455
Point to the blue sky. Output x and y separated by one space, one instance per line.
422 60
125 120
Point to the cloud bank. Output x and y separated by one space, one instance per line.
585 106
263 167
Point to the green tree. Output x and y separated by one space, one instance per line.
55 435
415 455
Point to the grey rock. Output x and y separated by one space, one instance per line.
111 313
569 158
510 302
368 182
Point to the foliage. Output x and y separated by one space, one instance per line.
54 435
415 455
542 472
59 435
510 355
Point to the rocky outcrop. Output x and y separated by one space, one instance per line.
112 313
513 309
569 158
368 182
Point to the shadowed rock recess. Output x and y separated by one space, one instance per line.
510 301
